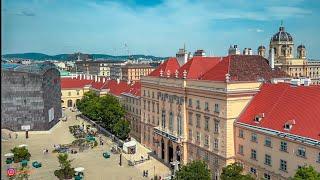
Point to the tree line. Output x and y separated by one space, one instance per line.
106 111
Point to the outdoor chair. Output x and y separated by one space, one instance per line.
78 177
9 160
24 163
36 164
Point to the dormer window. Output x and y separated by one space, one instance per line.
288 125
258 117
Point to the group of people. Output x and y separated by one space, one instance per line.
145 173
16 134
101 141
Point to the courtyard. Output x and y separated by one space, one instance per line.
95 165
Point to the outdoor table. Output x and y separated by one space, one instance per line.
9 159
106 155
36 164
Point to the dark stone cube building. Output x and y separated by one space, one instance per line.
30 96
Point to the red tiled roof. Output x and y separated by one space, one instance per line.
170 65
243 68
197 66
281 104
69 83
134 89
115 88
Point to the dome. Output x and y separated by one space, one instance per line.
261 47
282 35
301 46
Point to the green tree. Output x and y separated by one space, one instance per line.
65 171
234 172
20 153
122 129
195 170
306 172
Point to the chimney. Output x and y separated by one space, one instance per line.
91 77
80 76
129 82
98 79
103 80
161 73
271 58
250 51
95 78
182 56
118 80
234 50
227 77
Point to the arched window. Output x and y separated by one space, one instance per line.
171 121
69 103
163 119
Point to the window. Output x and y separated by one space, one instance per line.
216 143
216 108
198 136
206 124
241 134
152 94
190 134
254 137
198 104
158 108
190 102
206 140
253 170
144 92
163 118
190 118
267 142
266 176
284 146
206 106
69 93
179 121
318 158
198 121
240 149
78 92
152 106
149 106
267 160
253 154
216 126
301 152
144 104
283 165
171 121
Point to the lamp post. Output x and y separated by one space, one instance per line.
120 163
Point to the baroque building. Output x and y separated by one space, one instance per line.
296 65
189 106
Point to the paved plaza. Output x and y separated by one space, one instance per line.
96 166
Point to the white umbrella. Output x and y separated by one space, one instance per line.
79 169
23 145
9 155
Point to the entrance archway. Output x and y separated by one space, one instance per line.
69 103
162 149
170 151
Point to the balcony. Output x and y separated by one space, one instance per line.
165 134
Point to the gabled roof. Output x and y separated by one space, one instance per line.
243 68
281 104
170 65
197 66
69 83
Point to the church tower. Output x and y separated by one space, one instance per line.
301 51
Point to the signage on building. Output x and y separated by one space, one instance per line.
25 127
51 114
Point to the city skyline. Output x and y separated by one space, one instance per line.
154 28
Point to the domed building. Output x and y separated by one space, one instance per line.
296 65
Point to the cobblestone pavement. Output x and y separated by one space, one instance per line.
96 167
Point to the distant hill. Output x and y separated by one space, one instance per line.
67 57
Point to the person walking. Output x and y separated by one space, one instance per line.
16 135
9 135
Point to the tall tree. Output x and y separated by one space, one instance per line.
122 129
234 172
306 172
195 170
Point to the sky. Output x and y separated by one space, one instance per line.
154 27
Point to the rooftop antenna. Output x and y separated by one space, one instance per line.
184 47
281 23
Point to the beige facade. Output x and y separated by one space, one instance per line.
186 120
133 72
266 154
69 97
132 106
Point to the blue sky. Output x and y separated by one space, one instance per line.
157 27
